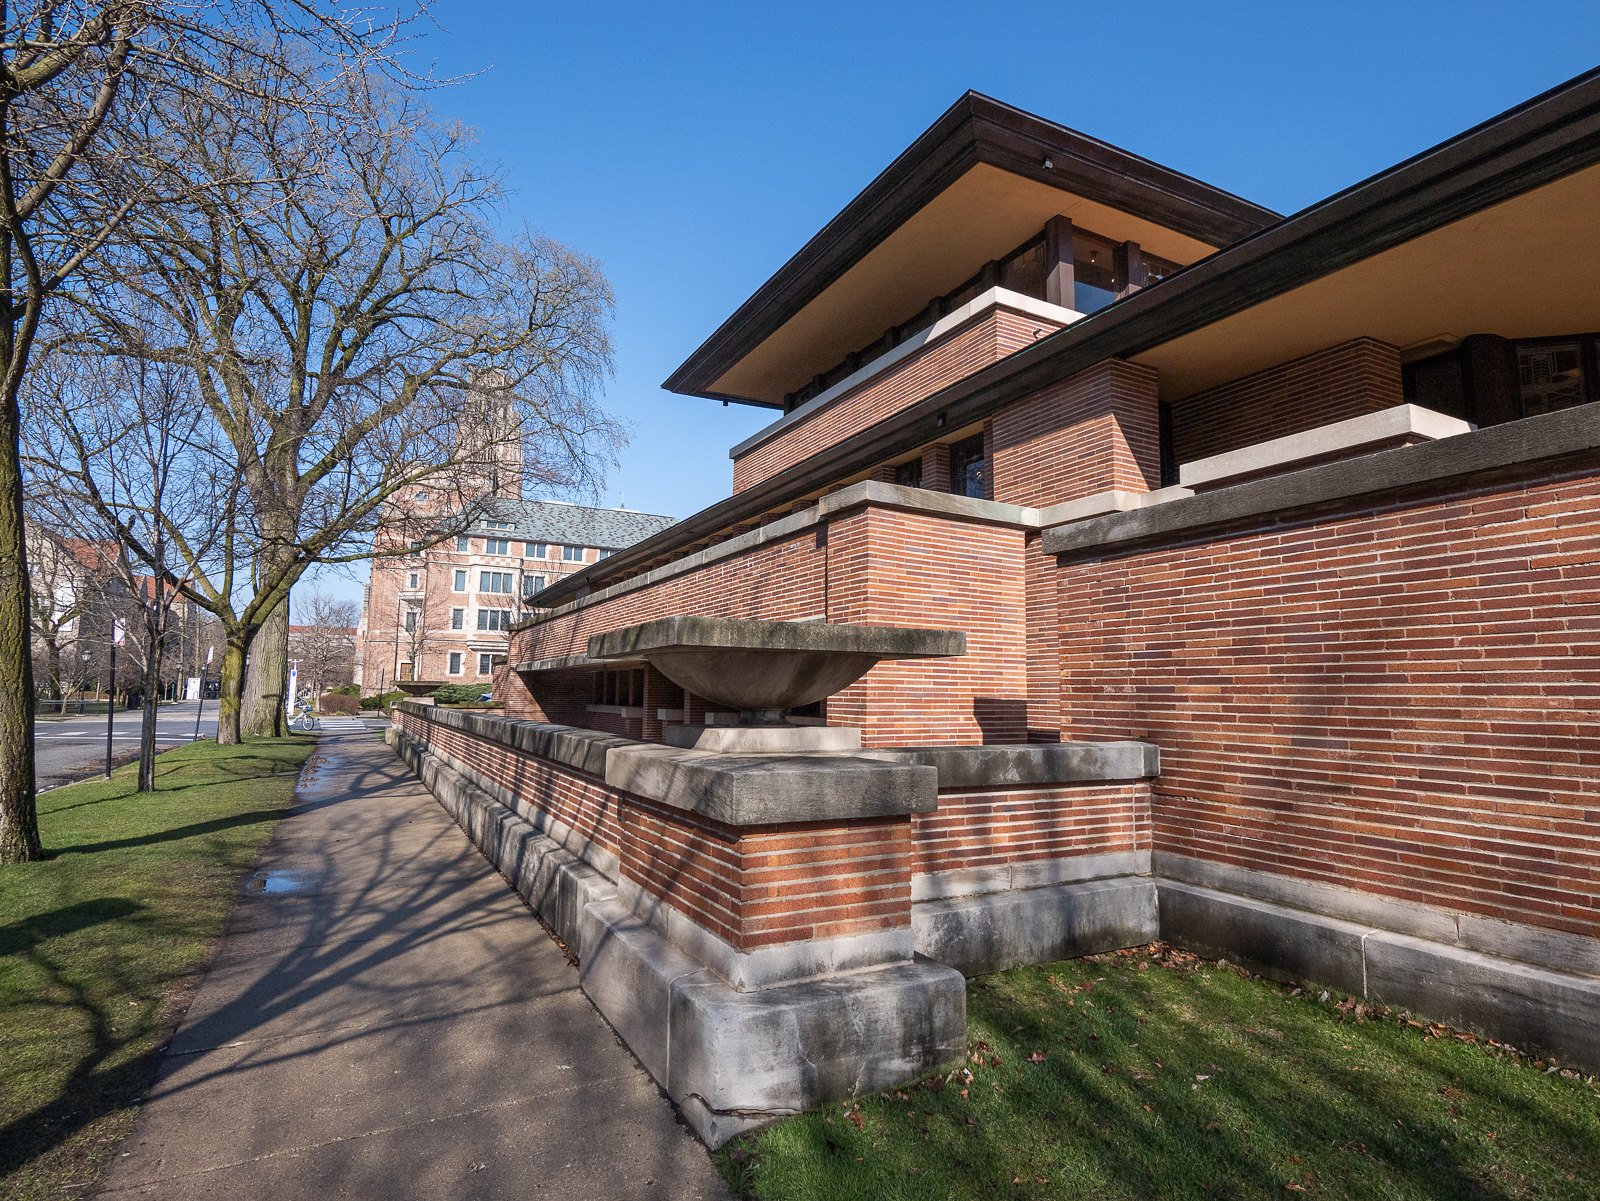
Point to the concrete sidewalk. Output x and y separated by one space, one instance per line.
386 1019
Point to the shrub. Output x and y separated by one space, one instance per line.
338 703
353 690
455 694
380 700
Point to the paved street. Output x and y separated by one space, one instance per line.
386 1019
76 747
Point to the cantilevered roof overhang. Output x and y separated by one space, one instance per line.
1495 230
984 178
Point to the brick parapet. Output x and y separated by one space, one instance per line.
1400 696
873 564
764 885
1347 380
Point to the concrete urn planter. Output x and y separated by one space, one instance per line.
765 668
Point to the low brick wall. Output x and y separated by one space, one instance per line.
1400 696
751 886
580 802
981 829
765 885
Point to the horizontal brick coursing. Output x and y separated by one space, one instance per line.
780 581
1356 377
984 340
989 829
581 802
752 887
1094 432
871 566
1404 701
894 568
763 887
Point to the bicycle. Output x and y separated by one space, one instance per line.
306 721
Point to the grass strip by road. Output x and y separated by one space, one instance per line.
99 944
1153 1074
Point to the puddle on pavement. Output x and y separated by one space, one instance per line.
315 781
281 883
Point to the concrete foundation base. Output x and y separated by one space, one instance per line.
736 1060
731 1060
990 933
1531 1007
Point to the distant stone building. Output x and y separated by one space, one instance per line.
444 614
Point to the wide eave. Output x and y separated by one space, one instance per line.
983 160
1551 139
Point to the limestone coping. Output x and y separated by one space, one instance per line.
1569 435
746 790
853 496
737 790
1339 437
966 767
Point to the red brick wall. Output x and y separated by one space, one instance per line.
781 580
1043 644
765 886
895 568
582 802
987 829
752 887
1096 431
871 565
1404 701
1361 376
984 340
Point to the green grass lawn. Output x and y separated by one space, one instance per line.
1152 1074
99 942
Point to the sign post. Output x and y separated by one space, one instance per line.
119 635
200 706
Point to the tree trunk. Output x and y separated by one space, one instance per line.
147 722
53 666
267 677
19 815
230 689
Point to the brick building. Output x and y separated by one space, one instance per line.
1306 507
443 614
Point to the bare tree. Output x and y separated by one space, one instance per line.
61 590
119 456
325 643
78 78
368 349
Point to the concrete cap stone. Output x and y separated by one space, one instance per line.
759 790
731 633
1032 763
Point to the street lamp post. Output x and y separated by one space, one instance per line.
117 635
200 704
83 677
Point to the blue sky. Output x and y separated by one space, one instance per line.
692 148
